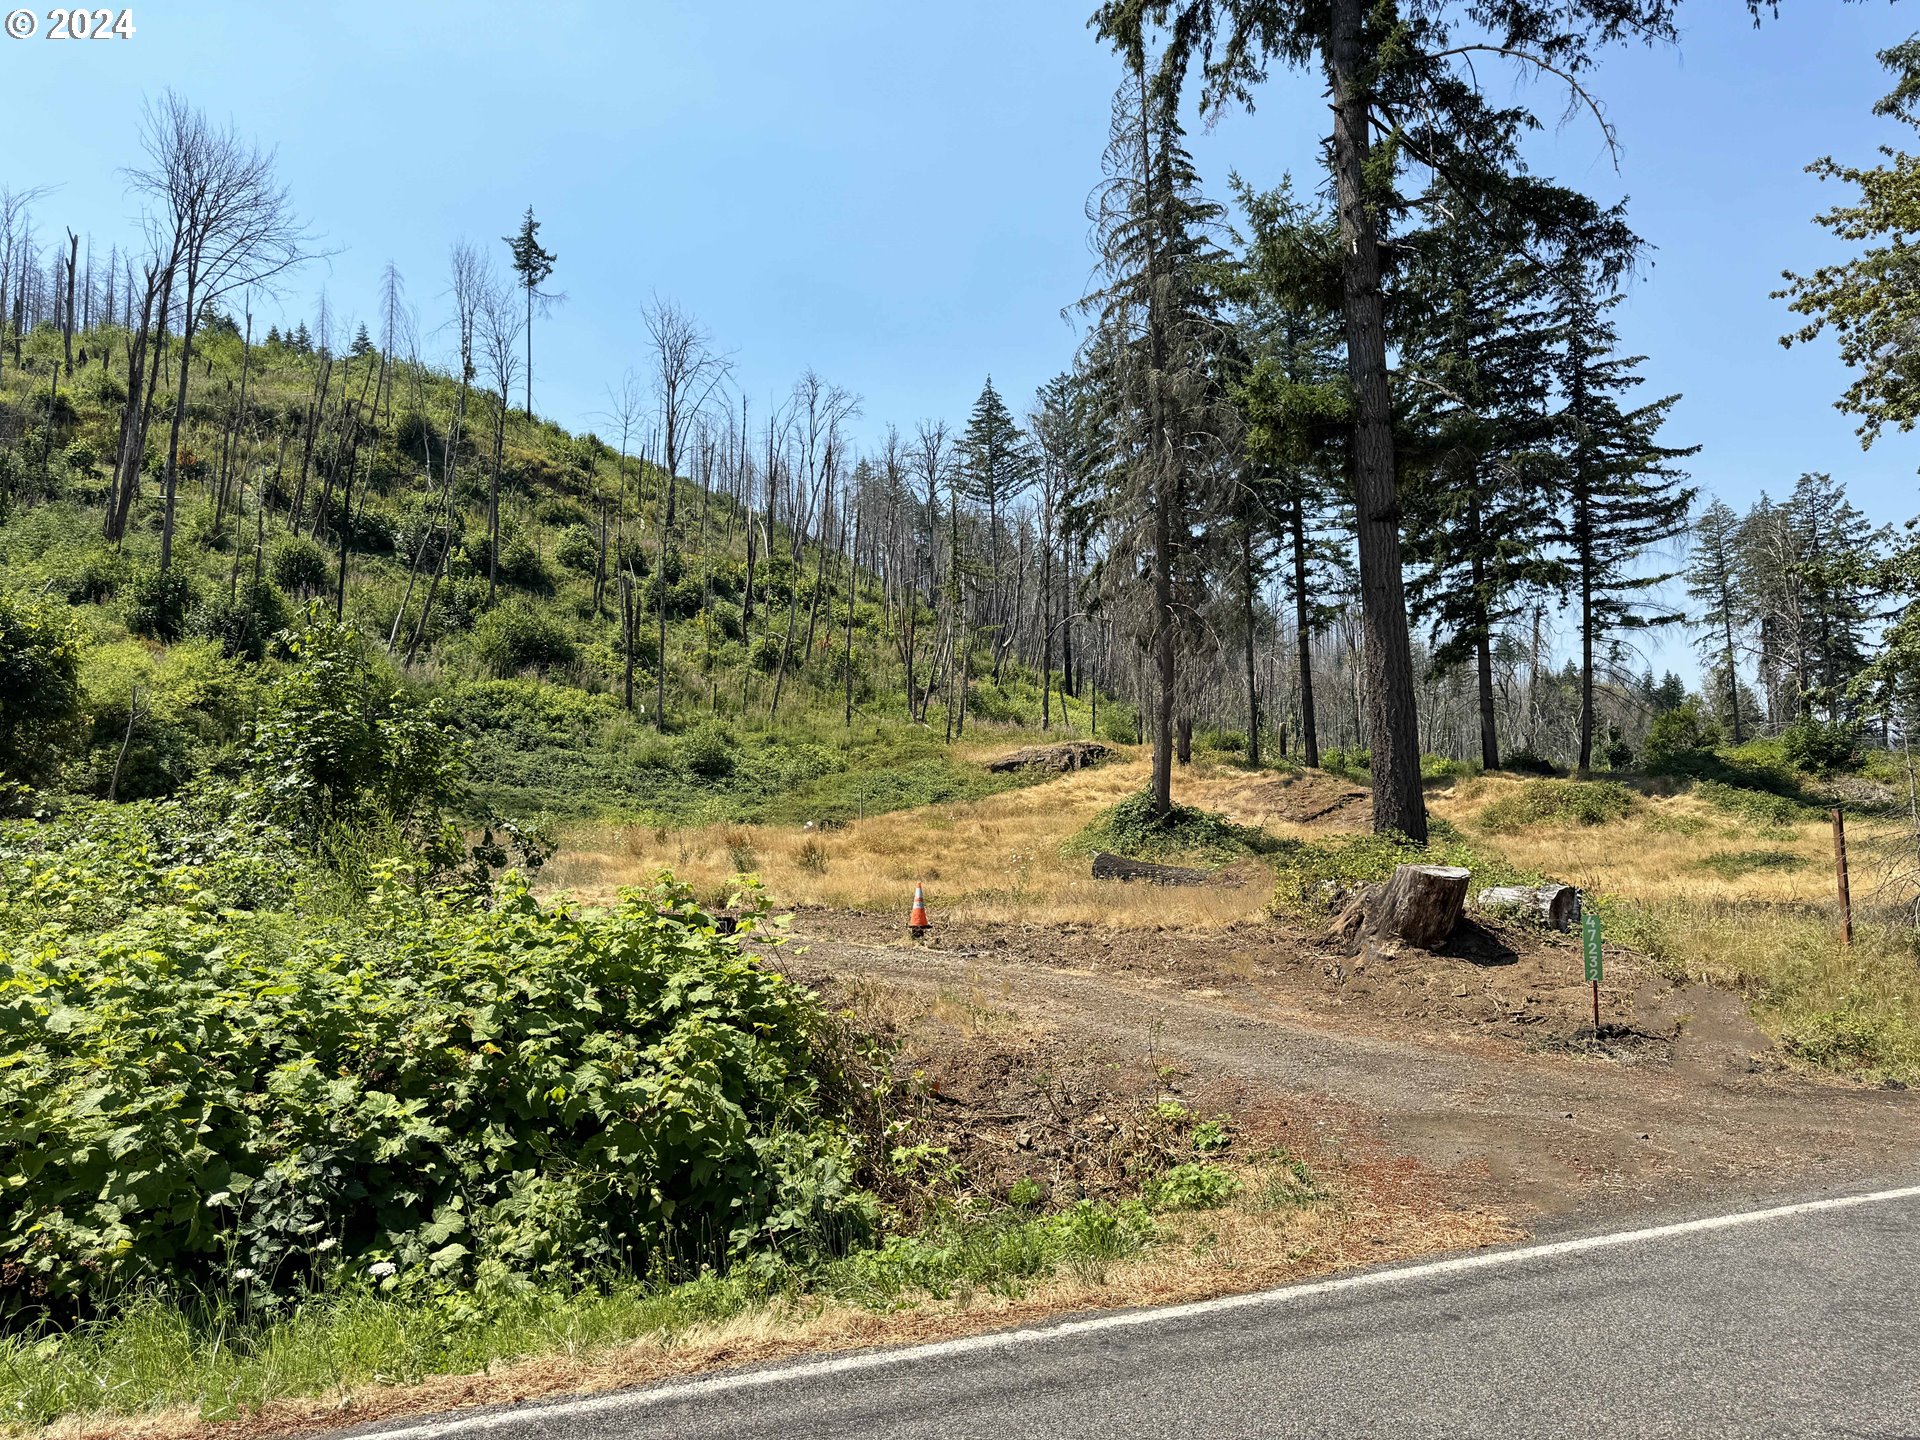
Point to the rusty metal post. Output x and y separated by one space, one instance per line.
1840 875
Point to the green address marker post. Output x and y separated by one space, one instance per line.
1590 946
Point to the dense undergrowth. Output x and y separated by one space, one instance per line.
298 1088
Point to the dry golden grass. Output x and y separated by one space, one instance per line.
995 859
1241 1248
1773 932
1657 852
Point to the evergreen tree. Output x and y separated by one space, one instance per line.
996 466
1622 491
1835 554
1297 408
1868 301
1714 581
1479 495
1404 91
1154 360
533 265
362 344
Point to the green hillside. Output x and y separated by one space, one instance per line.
535 668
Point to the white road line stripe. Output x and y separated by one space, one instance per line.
874 1360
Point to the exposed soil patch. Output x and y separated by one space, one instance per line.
1310 797
1481 1070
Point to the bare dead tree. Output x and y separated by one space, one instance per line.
16 225
467 283
223 221
500 328
686 372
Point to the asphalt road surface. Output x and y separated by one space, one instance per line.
1798 1320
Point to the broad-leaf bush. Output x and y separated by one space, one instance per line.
198 1095
40 695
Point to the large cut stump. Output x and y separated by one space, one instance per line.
1420 905
1555 906
1118 867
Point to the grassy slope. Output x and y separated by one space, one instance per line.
551 738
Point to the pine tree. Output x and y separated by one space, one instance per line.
1297 408
1836 551
997 465
1153 359
362 344
1623 492
1714 582
1475 369
533 265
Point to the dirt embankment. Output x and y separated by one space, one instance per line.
1476 1073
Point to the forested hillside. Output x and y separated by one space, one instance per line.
357 717
813 582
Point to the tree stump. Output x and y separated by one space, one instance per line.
1420 905
1555 906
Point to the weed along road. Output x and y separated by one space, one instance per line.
1791 1320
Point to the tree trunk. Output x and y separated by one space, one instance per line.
1398 802
1303 631
1555 906
173 430
1253 674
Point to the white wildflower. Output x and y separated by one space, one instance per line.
245 1273
325 1245
381 1269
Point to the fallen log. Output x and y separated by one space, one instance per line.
1555 906
1069 755
1118 867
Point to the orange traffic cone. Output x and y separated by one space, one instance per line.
917 921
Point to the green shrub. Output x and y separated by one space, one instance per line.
444 1087
1822 746
1354 764
1557 802
98 577
1846 1040
300 567
192 703
707 751
1120 724
578 550
159 603
340 748
519 636
1680 740
1756 805
1131 828
1196 1185
521 565
40 694
243 625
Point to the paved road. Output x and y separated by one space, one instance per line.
1800 1321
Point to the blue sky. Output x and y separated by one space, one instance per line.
894 193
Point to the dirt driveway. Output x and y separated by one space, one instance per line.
1481 1072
